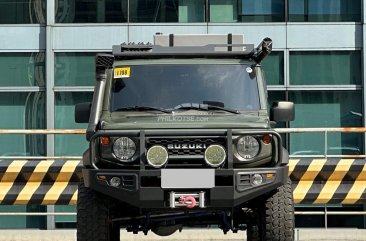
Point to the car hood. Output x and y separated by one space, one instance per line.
186 120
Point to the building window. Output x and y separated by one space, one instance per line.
262 11
274 96
22 69
325 68
116 11
91 11
24 107
222 11
75 69
25 110
73 145
151 11
326 109
23 12
21 222
324 10
191 11
273 67
72 70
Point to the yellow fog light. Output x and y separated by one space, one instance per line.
157 156
215 155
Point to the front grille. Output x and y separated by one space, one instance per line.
186 152
185 146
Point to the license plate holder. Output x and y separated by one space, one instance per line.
187 178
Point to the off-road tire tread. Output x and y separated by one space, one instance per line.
275 219
93 217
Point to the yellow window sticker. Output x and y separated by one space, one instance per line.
122 72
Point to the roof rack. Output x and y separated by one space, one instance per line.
149 51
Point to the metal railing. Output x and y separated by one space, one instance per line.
44 132
325 131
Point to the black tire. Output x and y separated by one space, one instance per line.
94 217
275 219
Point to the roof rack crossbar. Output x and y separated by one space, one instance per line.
229 50
122 51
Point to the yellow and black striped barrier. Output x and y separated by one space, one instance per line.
325 181
51 182
55 182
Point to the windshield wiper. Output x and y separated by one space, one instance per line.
196 106
142 108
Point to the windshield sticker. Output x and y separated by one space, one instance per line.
249 70
122 72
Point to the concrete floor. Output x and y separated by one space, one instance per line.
186 235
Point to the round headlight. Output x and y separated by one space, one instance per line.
247 147
215 155
124 148
157 156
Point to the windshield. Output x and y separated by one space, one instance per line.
168 86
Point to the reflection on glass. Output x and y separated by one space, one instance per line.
94 11
73 145
91 11
151 11
212 83
23 12
325 67
22 69
262 11
65 218
74 69
324 10
275 96
273 67
21 222
222 11
326 109
22 111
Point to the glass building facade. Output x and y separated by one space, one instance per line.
47 65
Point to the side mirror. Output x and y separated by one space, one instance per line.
282 111
82 112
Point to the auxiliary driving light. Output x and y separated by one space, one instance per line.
115 182
257 179
157 156
215 155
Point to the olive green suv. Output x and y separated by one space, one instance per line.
180 136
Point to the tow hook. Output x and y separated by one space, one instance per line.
188 200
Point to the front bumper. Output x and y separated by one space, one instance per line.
142 188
